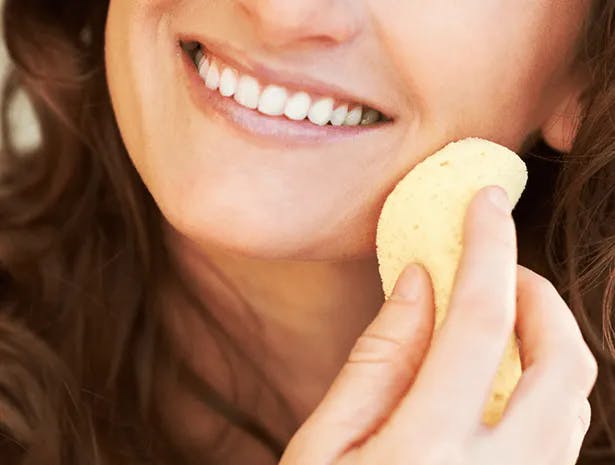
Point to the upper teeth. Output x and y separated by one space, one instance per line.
274 100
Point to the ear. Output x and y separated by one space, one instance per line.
560 127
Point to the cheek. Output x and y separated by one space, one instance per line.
143 89
122 63
137 79
478 67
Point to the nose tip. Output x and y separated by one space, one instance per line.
279 23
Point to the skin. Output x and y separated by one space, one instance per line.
496 69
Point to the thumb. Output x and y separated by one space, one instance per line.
380 369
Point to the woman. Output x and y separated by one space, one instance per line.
187 263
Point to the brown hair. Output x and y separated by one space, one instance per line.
78 232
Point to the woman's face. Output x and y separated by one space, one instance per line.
273 187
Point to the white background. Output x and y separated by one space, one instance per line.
24 127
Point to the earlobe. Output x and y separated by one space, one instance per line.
560 128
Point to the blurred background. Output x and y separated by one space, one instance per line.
23 125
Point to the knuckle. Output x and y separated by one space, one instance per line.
375 348
587 367
500 233
577 366
539 285
484 313
585 415
504 239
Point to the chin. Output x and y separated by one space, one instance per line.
285 239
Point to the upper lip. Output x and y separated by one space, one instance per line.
286 78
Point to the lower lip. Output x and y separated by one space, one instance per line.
255 124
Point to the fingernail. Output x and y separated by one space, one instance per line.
499 198
407 285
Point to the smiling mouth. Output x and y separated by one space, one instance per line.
272 99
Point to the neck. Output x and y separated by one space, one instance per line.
308 314
298 320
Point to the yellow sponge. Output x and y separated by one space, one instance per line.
422 221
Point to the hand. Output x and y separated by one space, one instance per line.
403 399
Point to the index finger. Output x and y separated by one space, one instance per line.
456 377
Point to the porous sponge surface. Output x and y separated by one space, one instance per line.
422 221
